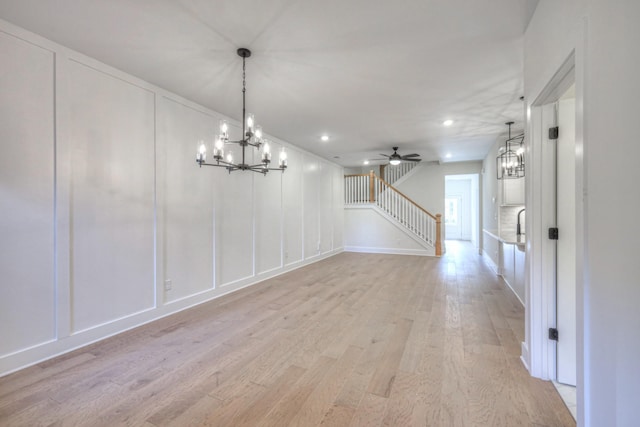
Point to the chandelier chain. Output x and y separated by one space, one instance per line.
244 91
244 77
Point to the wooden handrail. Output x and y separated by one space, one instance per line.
372 198
409 199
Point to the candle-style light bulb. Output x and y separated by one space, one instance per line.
218 148
266 153
201 154
224 129
250 124
230 158
258 134
283 159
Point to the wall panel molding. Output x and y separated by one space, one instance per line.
133 208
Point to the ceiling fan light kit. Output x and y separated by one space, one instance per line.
395 158
251 136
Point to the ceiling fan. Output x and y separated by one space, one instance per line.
396 159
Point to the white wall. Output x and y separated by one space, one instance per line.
426 184
603 34
491 193
102 202
26 195
367 229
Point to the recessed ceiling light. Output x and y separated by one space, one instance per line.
366 162
447 122
448 155
325 138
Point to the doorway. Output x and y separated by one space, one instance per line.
560 214
461 213
554 194
566 244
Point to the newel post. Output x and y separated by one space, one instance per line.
372 192
438 234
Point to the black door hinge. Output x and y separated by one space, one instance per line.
553 233
553 334
554 132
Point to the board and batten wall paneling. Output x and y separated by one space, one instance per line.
234 217
325 208
102 202
292 197
268 216
311 200
111 138
338 207
185 201
27 289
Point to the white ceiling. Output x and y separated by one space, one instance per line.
370 73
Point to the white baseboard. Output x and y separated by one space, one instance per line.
26 357
390 251
490 262
524 355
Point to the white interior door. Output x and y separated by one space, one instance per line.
453 217
566 251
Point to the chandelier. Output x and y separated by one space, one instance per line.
510 161
251 136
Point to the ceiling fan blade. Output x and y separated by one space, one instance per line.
411 155
386 155
413 160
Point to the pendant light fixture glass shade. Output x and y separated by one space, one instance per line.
251 136
510 161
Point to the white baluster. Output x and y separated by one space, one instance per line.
346 190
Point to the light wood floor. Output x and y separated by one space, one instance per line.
358 339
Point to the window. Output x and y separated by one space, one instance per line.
451 211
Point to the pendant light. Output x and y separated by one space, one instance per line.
251 136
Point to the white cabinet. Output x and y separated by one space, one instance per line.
513 257
513 191
518 278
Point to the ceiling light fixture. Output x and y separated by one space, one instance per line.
366 162
251 136
510 161
447 122
325 138
448 155
395 159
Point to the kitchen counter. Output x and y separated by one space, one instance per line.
505 253
508 238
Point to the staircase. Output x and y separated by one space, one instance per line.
392 174
370 189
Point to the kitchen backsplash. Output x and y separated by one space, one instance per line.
509 219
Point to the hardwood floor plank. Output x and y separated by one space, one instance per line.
320 401
385 375
371 411
286 408
401 400
269 397
356 339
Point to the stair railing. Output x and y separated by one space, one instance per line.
370 188
393 173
